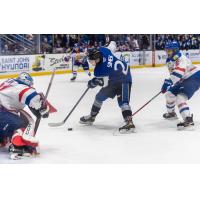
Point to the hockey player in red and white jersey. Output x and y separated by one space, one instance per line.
16 125
184 81
79 59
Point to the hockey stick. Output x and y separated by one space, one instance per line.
149 101
37 123
146 104
63 122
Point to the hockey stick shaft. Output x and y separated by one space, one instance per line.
76 104
37 123
61 123
146 103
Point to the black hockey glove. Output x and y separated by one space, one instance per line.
95 81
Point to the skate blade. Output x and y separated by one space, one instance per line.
171 119
125 132
86 123
189 128
16 156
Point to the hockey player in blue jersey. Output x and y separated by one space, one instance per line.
119 83
183 82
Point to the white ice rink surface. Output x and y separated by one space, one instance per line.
156 140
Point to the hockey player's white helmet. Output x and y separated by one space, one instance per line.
25 78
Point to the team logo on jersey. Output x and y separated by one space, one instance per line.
125 57
175 57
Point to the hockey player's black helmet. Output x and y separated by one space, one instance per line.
96 55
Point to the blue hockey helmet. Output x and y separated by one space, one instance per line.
172 49
25 78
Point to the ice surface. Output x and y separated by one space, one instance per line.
156 140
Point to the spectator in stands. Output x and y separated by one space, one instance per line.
134 44
60 43
144 42
45 46
191 41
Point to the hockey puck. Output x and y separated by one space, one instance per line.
70 129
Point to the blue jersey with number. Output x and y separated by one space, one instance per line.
116 69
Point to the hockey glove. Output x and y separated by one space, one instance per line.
35 112
166 85
44 109
95 81
42 112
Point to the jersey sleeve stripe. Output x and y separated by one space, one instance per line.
181 105
176 74
183 109
22 93
192 69
180 69
29 97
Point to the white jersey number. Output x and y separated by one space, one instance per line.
124 68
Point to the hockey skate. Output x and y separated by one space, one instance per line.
17 152
187 124
87 120
73 78
170 116
129 127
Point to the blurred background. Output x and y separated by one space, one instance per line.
15 44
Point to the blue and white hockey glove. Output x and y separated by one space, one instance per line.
95 81
166 85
